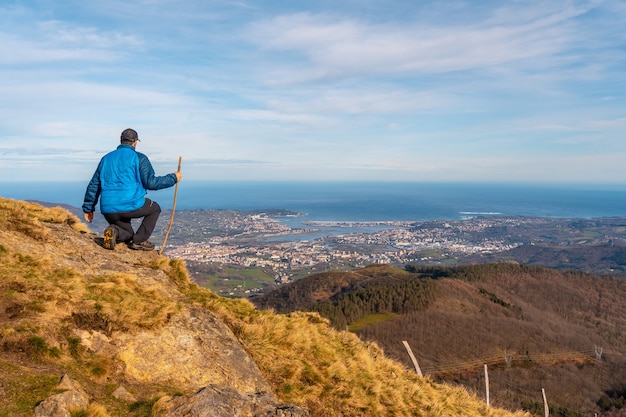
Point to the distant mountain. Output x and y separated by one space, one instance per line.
608 258
534 327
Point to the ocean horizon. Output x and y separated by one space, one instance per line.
366 201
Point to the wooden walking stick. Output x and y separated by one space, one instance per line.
169 227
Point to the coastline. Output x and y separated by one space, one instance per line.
367 201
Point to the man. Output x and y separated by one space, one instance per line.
120 182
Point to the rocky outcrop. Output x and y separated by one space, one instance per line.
193 350
210 401
216 401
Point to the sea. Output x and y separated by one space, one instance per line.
366 201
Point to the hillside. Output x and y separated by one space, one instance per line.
535 328
89 332
605 258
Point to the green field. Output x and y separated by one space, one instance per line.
371 319
229 280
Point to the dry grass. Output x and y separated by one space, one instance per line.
39 297
96 410
334 373
24 217
128 305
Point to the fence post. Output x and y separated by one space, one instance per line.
415 364
486 385
598 351
546 409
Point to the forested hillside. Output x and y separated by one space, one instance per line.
534 327
346 297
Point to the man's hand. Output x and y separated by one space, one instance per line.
89 217
179 176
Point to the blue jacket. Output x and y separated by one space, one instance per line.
121 181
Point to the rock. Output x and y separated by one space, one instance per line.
121 394
94 341
193 350
62 404
216 401
67 383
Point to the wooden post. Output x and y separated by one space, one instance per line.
486 385
599 350
415 364
169 227
546 409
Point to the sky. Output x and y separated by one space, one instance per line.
394 90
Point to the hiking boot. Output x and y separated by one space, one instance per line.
145 245
110 238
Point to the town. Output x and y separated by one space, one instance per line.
262 240
403 243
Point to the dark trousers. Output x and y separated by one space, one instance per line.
125 233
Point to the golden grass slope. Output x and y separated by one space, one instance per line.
55 279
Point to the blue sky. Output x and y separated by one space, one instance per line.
520 91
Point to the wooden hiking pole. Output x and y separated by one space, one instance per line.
169 227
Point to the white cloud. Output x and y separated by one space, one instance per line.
407 90
344 47
56 41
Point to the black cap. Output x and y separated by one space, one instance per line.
129 135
